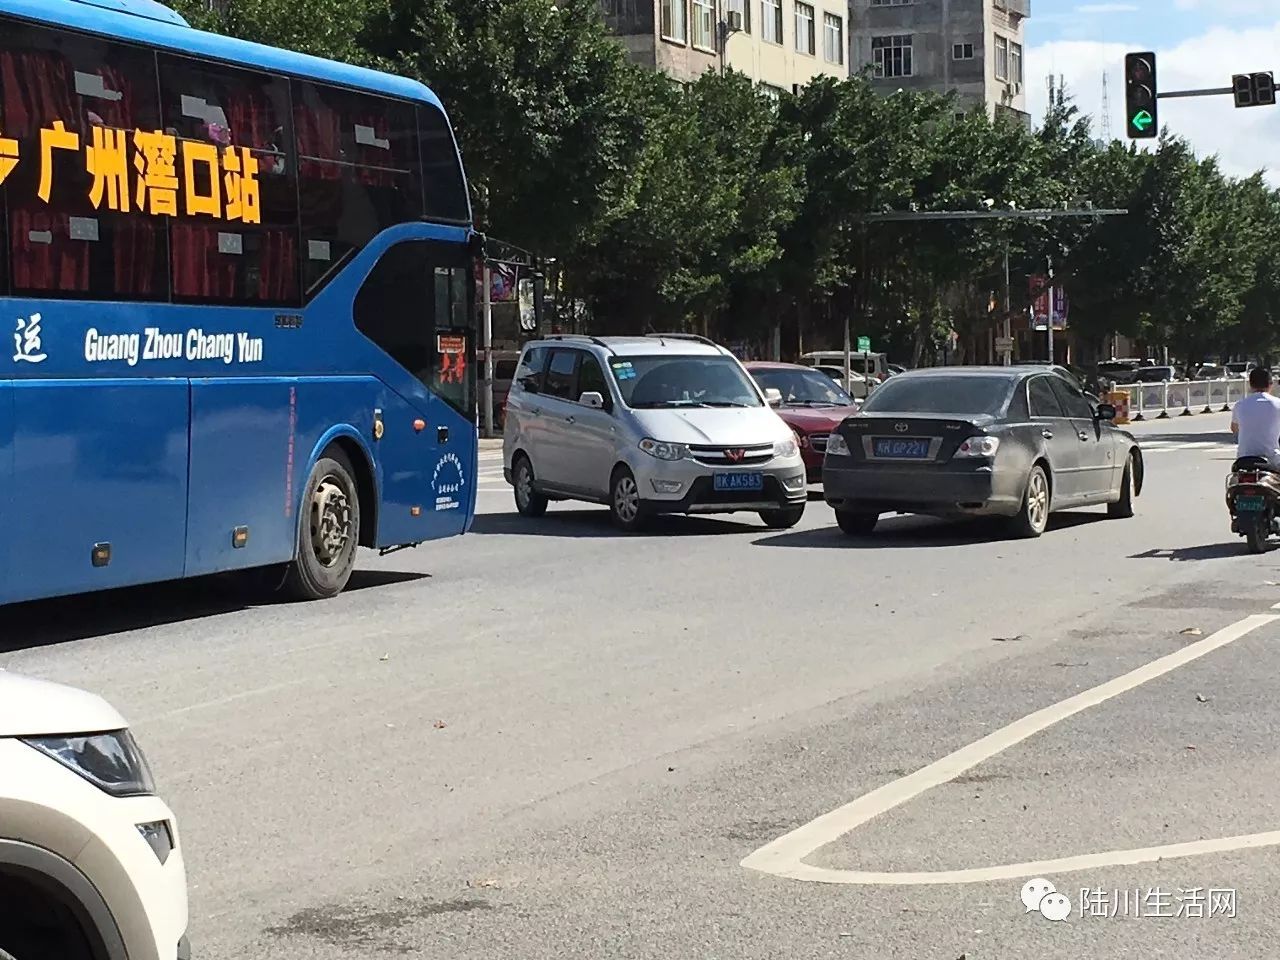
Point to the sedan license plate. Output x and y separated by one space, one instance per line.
738 481
901 448
1250 504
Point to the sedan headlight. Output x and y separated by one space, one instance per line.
786 448
836 446
664 451
979 448
112 762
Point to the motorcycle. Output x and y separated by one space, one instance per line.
1253 497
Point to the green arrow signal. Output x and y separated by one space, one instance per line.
1142 120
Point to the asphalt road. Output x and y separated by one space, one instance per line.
549 740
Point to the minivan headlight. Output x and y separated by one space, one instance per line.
786 448
664 451
112 762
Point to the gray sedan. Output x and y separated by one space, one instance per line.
1012 442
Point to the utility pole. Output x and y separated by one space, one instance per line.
1049 325
1008 306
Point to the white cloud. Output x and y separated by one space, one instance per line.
1230 8
1245 140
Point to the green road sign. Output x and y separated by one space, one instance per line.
864 344
1142 120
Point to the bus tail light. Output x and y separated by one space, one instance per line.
419 426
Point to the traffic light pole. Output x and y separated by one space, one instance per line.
1186 94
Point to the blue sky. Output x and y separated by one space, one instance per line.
1159 22
1200 43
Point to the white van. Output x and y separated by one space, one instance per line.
868 369
669 423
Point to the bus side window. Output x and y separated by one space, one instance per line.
359 173
86 238
391 308
224 259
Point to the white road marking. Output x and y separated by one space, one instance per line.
784 857
221 701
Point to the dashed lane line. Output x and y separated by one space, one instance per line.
785 856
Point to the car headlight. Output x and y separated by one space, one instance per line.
113 762
836 446
979 447
786 448
664 451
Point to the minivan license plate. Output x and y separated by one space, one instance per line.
1250 504
738 481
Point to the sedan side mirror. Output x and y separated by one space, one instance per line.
593 399
773 397
1106 411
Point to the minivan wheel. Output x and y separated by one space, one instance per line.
529 502
782 519
624 501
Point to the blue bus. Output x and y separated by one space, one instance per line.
240 291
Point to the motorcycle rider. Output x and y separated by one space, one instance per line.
1255 420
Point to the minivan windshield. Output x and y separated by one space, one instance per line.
658 382
941 394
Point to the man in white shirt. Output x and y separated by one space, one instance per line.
1256 420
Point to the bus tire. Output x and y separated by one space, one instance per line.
328 530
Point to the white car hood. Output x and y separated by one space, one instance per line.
30 707
718 426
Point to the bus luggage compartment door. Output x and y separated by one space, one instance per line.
100 481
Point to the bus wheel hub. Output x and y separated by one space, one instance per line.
330 522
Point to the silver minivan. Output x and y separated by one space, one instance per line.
668 423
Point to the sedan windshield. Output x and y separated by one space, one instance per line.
802 388
648 383
947 395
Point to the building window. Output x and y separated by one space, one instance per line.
1002 58
806 41
833 38
772 92
674 20
1015 62
962 51
892 56
743 9
704 24
771 20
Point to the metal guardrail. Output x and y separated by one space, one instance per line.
1181 398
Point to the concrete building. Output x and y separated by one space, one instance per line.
780 44
975 47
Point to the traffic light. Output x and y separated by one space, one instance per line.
1254 89
1141 116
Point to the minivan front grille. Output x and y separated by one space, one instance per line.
819 441
732 456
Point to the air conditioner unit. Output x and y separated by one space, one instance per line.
1017 88
733 20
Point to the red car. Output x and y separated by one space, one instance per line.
813 405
